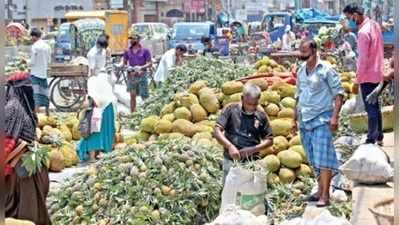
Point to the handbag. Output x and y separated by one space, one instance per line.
85 123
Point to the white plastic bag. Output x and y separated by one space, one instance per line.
245 189
316 216
353 105
233 215
368 165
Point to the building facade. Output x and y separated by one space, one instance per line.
45 15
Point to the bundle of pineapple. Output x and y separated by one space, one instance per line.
192 114
165 182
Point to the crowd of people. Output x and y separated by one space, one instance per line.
242 129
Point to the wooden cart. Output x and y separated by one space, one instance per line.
68 87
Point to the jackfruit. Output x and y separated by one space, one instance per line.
260 63
261 83
267 151
183 113
141 136
286 175
57 163
168 109
197 86
286 113
272 109
198 113
42 120
208 123
148 124
203 142
76 132
304 171
163 126
271 163
263 69
290 159
203 128
273 179
209 101
282 127
296 140
170 117
173 135
69 154
299 149
270 97
185 127
187 100
284 89
288 102
232 99
66 133
280 143
232 87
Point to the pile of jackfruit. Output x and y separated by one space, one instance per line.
267 65
58 135
192 115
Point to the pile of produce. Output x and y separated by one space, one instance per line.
214 71
166 182
193 114
274 72
58 136
347 79
17 63
327 34
267 65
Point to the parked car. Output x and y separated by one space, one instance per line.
190 34
151 30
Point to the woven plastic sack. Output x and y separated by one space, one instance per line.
316 216
246 189
368 165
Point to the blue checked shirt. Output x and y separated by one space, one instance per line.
316 91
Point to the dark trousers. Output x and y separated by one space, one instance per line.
373 113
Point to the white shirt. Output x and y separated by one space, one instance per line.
168 60
40 59
97 60
288 38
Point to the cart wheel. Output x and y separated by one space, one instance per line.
67 94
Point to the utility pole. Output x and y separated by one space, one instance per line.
27 13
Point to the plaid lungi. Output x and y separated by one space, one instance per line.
40 91
317 140
138 85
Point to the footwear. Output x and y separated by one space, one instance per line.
322 203
312 198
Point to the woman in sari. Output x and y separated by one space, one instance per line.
25 194
102 101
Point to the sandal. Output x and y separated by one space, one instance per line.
321 204
312 198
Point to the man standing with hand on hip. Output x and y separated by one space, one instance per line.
370 67
319 101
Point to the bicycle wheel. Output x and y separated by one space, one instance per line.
67 94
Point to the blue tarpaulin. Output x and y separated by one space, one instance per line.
314 14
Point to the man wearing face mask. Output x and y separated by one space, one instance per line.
243 129
140 59
348 14
319 101
370 68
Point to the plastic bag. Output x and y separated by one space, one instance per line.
233 215
246 189
368 165
316 216
353 105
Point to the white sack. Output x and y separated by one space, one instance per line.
233 215
368 165
246 189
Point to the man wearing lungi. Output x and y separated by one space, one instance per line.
319 101
40 59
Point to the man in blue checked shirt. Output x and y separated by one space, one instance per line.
319 101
